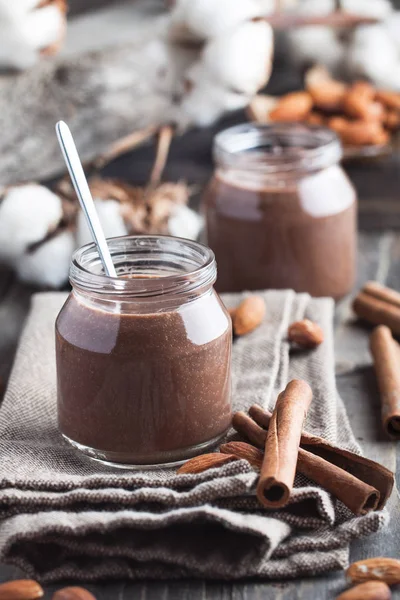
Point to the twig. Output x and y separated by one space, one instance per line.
164 141
122 146
334 19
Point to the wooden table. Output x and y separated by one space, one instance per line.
379 258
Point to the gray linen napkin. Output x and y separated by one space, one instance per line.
64 516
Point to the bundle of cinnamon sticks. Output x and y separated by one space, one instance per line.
277 446
380 305
361 484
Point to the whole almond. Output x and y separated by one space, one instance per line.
315 118
328 95
392 120
305 334
370 590
73 593
21 589
201 463
377 569
244 451
292 107
359 132
362 107
389 98
248 315
364 88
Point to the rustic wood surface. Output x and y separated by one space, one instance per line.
379 258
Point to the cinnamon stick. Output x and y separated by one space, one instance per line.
385 352
377 290
378 305
282 444
356 494
368 471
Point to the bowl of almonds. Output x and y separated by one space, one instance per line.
365 118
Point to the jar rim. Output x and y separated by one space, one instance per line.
185 265
277 147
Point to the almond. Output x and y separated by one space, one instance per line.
73 593
392 120
377 569
201 463
21 589
365 89
338 124
328 95
306 334
361 133
292 107
248 315
361 107
315 118
244 451
370 590
389 99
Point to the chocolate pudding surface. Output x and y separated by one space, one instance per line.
144 388
298 234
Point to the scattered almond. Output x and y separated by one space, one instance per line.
361 133
389 99
362 107
21 589
201 463
392 120
315 118
244 451
328 95
292 107
248 315
370 590
365 89
306 334
377 569
73 593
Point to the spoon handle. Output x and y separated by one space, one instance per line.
82 190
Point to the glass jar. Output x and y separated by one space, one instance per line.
280 211
143 360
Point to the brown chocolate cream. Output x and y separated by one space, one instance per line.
282 221
144 376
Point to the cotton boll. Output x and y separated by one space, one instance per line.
205 19
208 100
27 214
373 54
185 222
316 44
241 59
379 9
48 265
25 32
110 217
42 28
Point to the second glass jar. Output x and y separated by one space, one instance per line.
280 211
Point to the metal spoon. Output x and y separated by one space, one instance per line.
82 190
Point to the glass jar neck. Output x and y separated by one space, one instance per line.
153 271
279 151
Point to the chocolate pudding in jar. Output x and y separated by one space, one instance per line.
143 360
280 211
